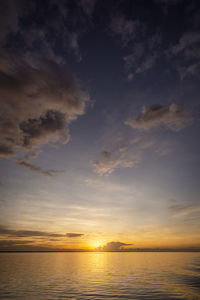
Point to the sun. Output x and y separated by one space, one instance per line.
95 244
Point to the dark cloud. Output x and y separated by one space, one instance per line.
13 243
34 26
174 117
74 235
113 246
24 245
9 13
125 28
27 233
88 6
37 169
25 163
38 101
5 151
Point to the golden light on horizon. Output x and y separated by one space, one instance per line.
95 244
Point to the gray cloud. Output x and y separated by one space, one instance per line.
5 151
27 233
9 13
74 235
125 28
12 243
88 6
113 246
38 101
173 117
109 161
66 20
37 169
184 209
187 54
143 56
124 154
188 40
25 163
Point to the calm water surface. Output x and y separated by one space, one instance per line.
100 276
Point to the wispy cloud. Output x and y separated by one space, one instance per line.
109 161
184 210
186 54
37 169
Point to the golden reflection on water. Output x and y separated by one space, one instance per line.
100 275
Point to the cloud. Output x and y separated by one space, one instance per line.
74 235
25 26
187 40
32 155
109 161
105 185
125 154
173 117
164 150
184 210
27 233
9 13
38 100
187 54
125 28
143 56
25 163
13 243
5 151
113 246
25 245
37 169
88 6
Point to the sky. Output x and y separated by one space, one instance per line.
99 124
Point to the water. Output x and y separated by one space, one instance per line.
100 276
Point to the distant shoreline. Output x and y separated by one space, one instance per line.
88 251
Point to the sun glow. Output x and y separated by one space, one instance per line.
95 244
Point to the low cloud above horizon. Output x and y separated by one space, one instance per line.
113 246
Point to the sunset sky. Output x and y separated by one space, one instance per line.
99 124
